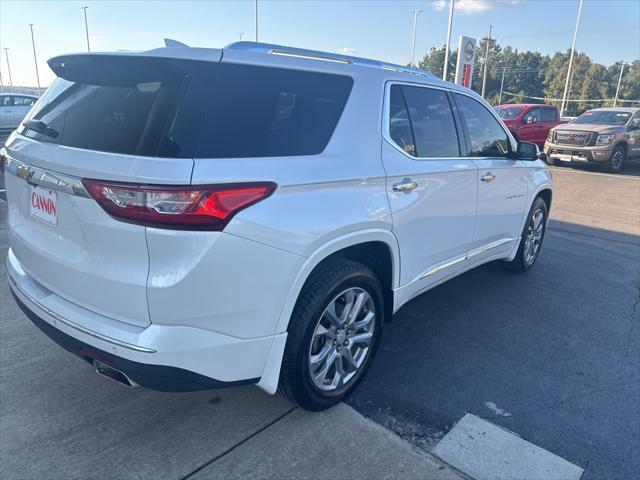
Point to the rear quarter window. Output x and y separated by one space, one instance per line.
257 111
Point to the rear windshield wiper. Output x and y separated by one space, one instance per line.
41 127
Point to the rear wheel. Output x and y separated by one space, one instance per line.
532 237
617 159
333 334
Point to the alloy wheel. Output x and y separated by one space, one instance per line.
342 339
533 237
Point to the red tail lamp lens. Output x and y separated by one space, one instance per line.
196 207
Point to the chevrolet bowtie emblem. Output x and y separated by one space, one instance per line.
25 172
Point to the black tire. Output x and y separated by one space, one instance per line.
322 287
617 160
521 262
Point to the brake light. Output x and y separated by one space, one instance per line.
196 207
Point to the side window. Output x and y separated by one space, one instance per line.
23 101
399 126
485 135
434 128
533 116
549 115
6 101
271 112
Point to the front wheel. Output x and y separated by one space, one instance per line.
333 334
617 160
532 237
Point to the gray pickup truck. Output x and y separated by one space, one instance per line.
605 136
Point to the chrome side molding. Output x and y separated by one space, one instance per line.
471 254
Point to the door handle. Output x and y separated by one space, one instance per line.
405 186
488 177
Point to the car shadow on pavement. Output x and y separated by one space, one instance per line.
551 354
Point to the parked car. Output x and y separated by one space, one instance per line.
13 108
603 136
183 219
530 122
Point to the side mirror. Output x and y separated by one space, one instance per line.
528 151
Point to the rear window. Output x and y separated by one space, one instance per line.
176 108
270 112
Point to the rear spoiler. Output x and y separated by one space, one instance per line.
98 68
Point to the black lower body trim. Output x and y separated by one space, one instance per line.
154 377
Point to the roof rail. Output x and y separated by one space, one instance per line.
324 56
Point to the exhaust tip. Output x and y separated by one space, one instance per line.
114 374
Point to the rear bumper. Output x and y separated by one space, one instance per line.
166 358
156 377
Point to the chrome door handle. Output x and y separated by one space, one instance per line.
488 177
405 186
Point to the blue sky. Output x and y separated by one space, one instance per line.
610 29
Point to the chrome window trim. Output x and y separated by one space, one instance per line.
75 326
386 111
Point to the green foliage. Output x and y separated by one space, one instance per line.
531 74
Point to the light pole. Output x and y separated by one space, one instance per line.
6 54
504 69
86 27
413 40
486 61
615 100
445 69
255 16
35 58
240 36
573 48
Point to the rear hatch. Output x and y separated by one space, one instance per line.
111 118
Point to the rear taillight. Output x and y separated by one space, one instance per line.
196 207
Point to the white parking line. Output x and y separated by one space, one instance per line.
582 172
481 449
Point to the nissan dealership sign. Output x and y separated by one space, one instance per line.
466 59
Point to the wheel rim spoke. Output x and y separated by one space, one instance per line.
321 375
362 338
364 323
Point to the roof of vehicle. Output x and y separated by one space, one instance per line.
617 109
249 50
524 105
18 94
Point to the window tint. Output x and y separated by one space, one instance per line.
432 122
533 116
124 105
23 101
264 112
399 126
486 138
549 115
6 101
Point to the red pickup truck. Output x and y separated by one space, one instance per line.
529 122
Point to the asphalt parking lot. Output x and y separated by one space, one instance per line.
552 355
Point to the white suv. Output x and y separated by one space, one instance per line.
191 218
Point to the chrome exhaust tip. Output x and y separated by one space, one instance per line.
114 374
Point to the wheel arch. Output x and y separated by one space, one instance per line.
350 245
358 246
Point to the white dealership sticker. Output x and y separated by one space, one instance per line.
44 205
